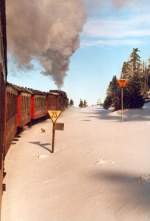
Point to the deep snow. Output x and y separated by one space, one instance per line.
100 169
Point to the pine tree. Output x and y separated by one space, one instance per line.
126 70
138 76
148 74
133 93
113 95
81 103
107 102
135 98
71 102
135 61
144 79
84 103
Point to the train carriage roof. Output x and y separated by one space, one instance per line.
37 92
27 90
58 92
19 88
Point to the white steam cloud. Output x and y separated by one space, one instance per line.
48 31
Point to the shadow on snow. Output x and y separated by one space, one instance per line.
129 115
127 191
44 145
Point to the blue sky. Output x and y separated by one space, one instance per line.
107 39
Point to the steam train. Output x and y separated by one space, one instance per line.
19 106
25 105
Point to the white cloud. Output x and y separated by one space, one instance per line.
139 26
110 42
113 32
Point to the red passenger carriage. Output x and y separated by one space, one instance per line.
11 114
23 107
38 104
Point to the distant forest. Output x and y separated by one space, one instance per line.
137 74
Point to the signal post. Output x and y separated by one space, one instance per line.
54 115
122 84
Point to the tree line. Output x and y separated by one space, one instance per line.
137 74
82 103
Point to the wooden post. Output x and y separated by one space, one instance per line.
122 84
53 137
122 106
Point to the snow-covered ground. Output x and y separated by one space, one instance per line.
100 169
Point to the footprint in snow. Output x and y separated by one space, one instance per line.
42 156
104 162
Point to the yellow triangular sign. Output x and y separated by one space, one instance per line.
54 115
